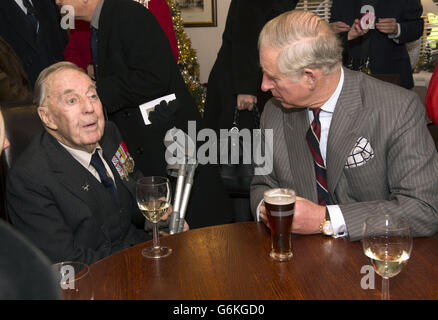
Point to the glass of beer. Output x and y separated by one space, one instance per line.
280 205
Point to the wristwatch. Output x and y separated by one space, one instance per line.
326 225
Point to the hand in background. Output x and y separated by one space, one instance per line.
339 27
356 31
387 25
164 112
246 101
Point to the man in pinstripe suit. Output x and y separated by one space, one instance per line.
378 155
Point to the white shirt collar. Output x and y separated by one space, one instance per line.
330 104
83 157
21 5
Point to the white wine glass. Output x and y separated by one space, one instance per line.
153 200
387 241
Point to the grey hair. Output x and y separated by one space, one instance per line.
304 40
40 89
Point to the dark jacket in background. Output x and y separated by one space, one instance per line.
237 69
386 56
35 52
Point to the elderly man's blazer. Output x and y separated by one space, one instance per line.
61 207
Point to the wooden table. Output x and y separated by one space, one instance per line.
231 262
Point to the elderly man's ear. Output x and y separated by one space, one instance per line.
46 117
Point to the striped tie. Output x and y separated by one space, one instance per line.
312 137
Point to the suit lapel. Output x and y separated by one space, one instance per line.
296 123
346 122
76 179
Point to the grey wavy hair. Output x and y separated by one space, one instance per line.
40 89
304 41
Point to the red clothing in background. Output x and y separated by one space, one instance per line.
161 11
78 48
432 97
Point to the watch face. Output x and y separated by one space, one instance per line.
327 228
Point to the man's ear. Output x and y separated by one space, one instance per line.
311 77
46 117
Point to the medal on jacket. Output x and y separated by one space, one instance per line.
123 162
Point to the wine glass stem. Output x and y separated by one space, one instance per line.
155 235
385 289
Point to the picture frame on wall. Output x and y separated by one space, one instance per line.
198 13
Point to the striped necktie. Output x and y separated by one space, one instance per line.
312 137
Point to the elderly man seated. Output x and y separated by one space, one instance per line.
72 191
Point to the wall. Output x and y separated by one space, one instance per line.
207 41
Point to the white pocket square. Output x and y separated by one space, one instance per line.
361 154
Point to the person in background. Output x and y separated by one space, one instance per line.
351 146
72 191
236 75
25 272
235 78
431 101
78 47
33 29
380 50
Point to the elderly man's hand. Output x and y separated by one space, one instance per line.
166 216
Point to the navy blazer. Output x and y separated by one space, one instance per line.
386 56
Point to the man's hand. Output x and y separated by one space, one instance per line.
262 216
339 27
387 25
166 216
307 217
246 101
356 31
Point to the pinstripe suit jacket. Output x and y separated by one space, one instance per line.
402 177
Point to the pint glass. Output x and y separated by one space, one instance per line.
280 205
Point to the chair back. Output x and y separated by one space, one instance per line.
22 123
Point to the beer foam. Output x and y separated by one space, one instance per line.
279 197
